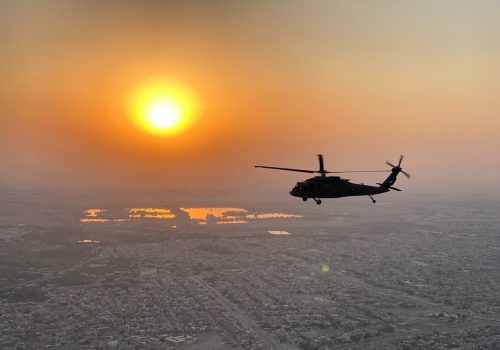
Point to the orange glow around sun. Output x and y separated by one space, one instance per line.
161 108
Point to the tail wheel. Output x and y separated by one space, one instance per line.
318 201
304 199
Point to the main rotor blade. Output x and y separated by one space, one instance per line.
406 174
286 169
390 164
400 160
321 165
357 171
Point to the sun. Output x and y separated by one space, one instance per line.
163 114
162 108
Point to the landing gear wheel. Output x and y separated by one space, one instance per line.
373 200
318 201
304 199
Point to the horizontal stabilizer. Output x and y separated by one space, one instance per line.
392 188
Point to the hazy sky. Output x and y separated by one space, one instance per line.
277 82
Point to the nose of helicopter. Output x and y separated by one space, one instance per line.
295 191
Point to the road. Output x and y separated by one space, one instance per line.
265 338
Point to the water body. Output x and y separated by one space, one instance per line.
197 215
278 232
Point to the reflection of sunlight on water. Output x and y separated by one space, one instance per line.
151 213
279 232
87 220
273 216
203 213
159 216
87 241
232 222
93 220
92 213
201 216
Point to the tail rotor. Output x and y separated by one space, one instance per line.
398 168
391 179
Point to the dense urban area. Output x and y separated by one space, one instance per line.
406 273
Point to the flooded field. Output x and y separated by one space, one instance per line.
201 216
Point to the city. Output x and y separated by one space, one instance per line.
422 277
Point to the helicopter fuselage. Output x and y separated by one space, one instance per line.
333 187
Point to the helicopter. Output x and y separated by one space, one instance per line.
324 186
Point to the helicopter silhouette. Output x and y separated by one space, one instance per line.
335 187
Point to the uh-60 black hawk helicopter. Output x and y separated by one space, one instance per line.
335 187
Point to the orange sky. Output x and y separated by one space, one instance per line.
277 83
